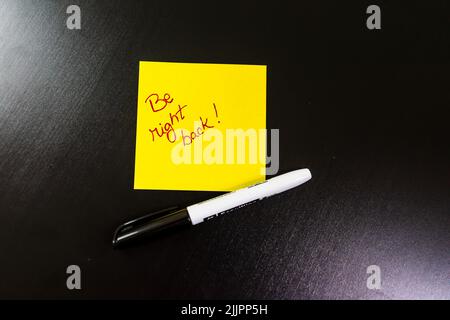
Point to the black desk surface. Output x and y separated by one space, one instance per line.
365 110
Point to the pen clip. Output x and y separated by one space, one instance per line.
127 226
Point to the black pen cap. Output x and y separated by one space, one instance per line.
151 224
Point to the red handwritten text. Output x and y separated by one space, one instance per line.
167 129
158 103
188 139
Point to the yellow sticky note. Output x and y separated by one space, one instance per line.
200 126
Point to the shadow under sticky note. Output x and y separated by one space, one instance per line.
200 126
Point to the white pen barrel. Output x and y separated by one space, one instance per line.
209 208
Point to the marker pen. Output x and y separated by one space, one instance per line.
196 213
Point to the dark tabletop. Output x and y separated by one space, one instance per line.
365 110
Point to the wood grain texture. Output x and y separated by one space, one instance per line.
367 112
